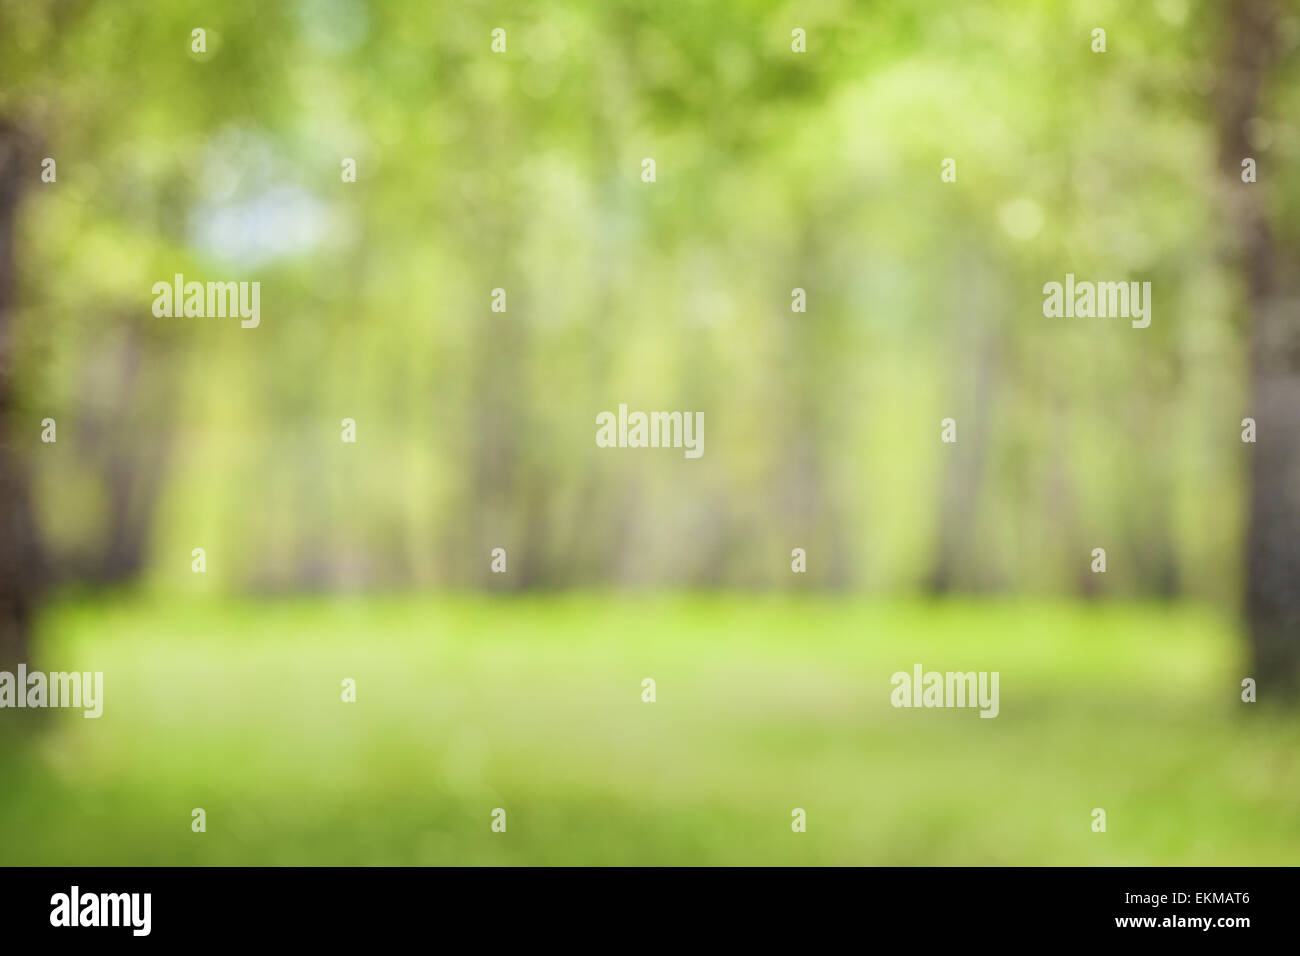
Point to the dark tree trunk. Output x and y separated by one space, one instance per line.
19 554
1272 599
133 471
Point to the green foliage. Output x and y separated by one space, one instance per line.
534 705
776 170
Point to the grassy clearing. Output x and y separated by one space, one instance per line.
533 704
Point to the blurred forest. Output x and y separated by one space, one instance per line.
521 171
776 170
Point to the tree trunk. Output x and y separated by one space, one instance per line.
19 554
955 567
1272 599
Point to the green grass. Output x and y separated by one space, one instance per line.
534 705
